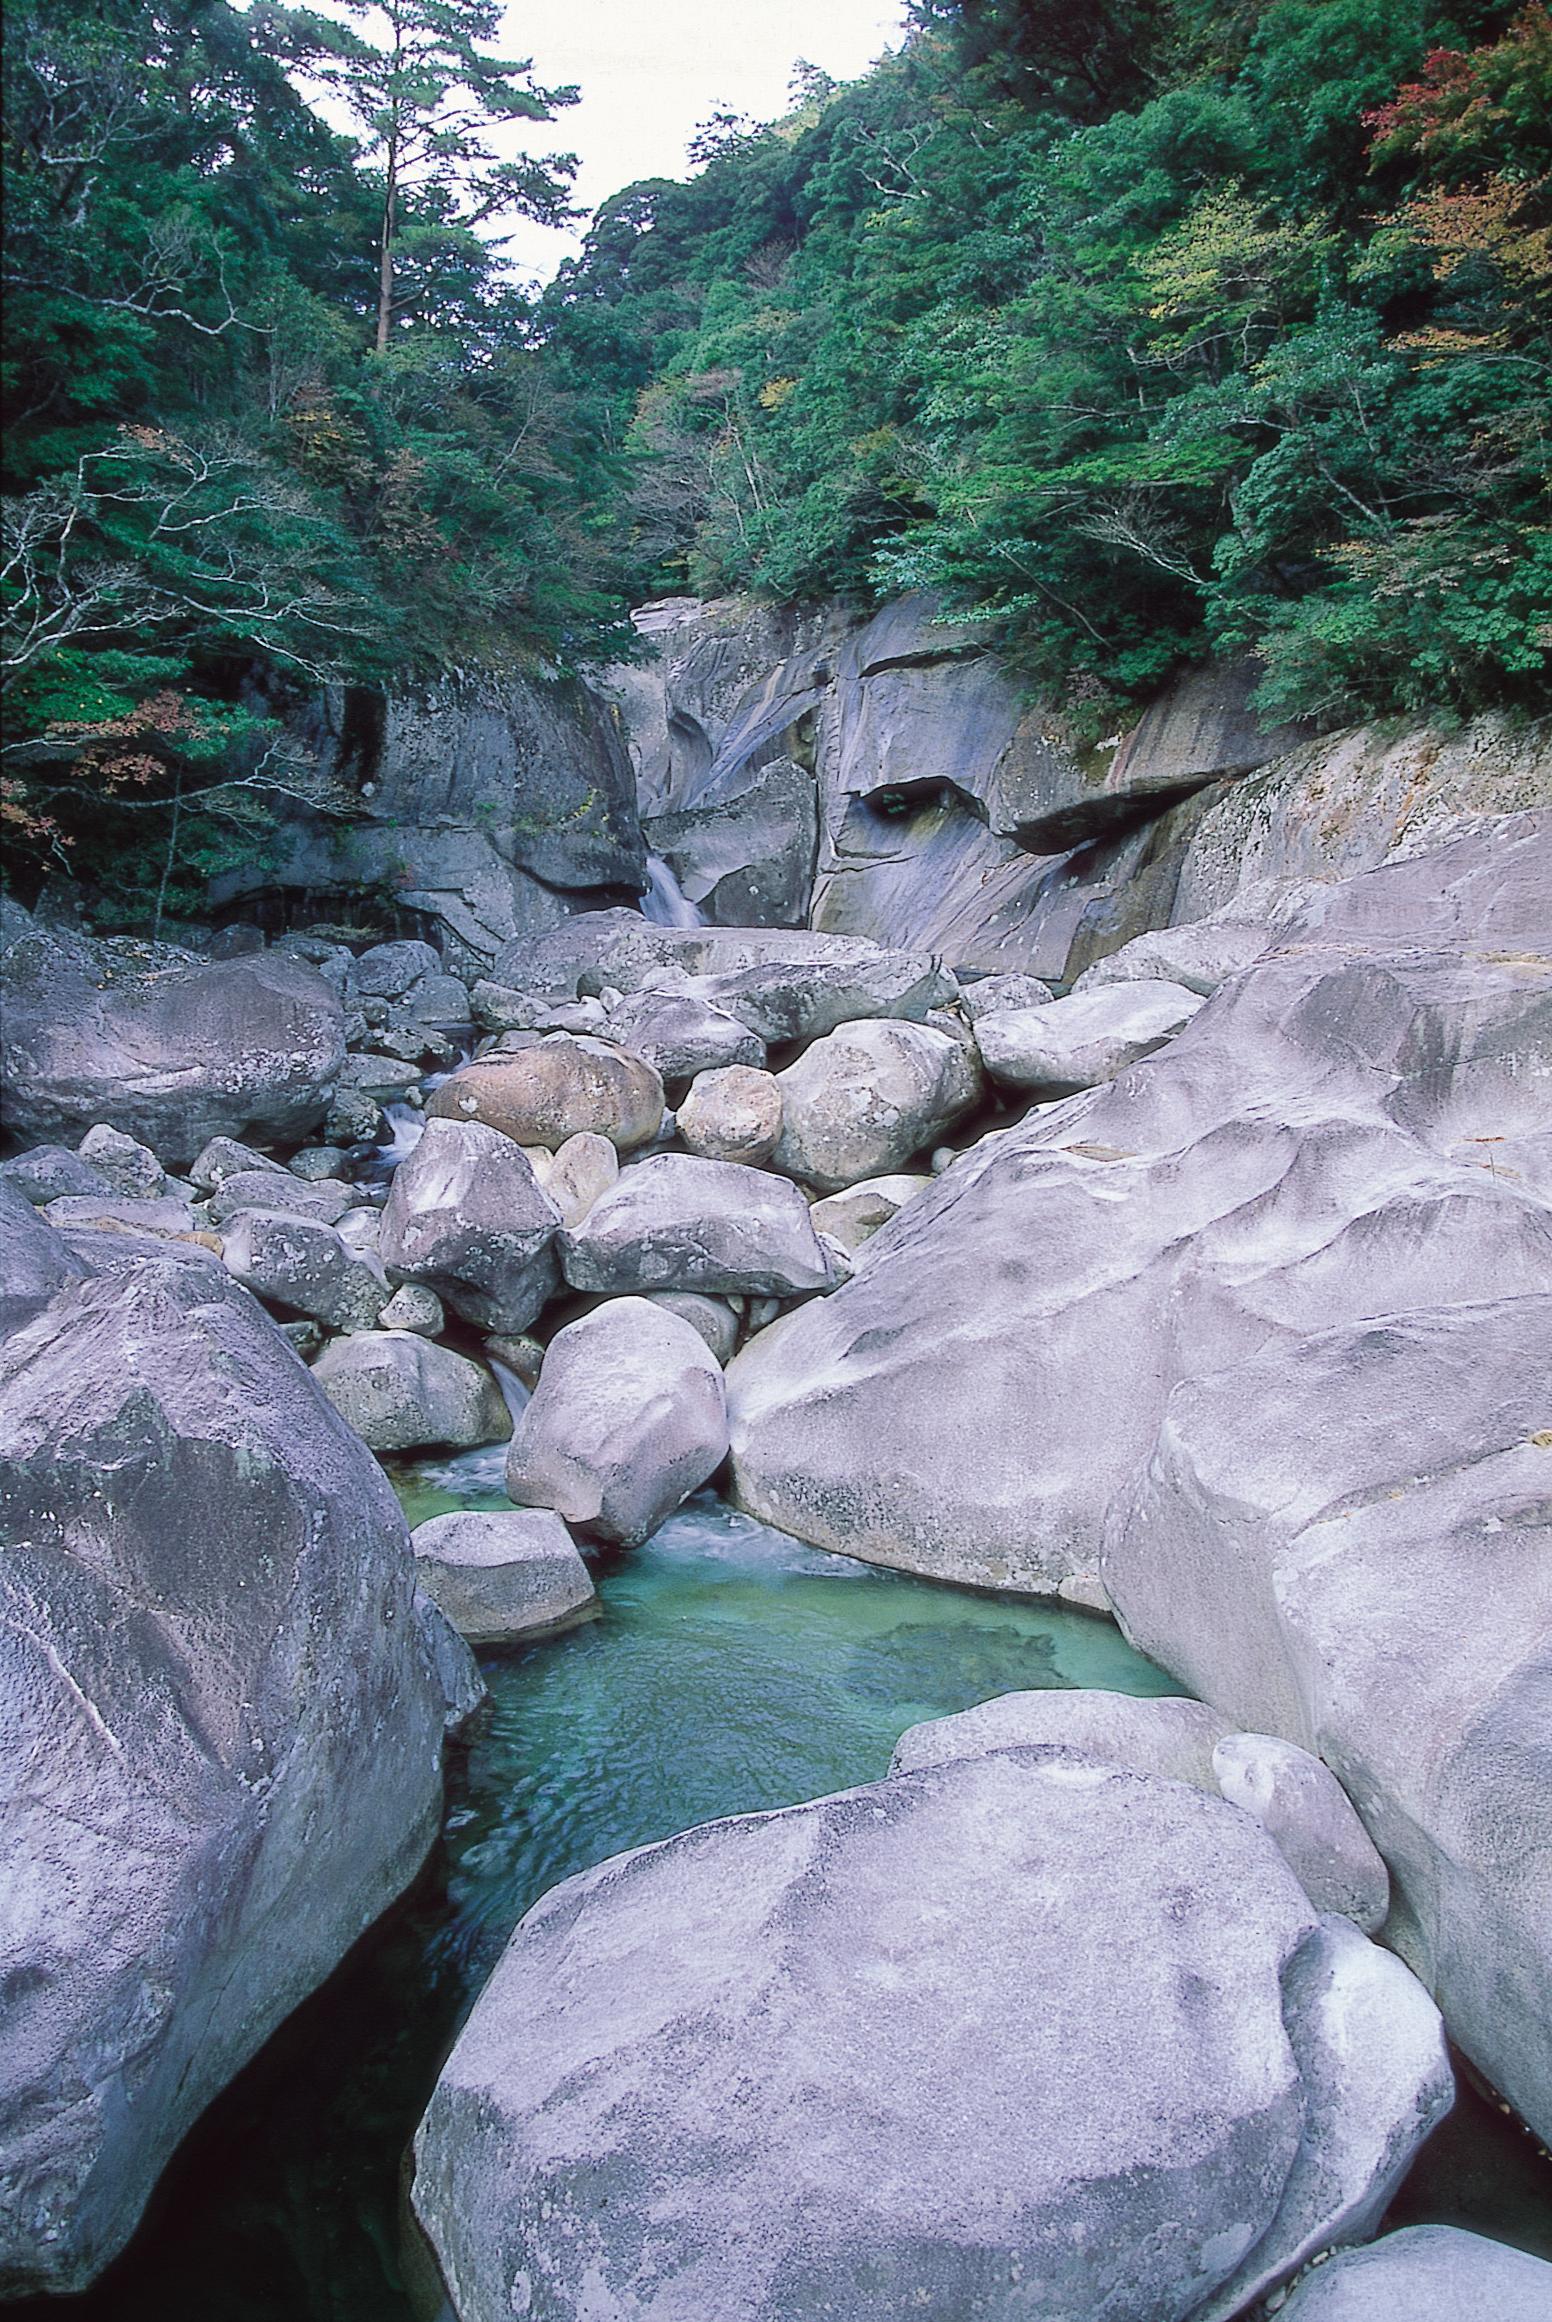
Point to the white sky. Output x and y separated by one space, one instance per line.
650 70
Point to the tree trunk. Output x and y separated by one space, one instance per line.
170 858
385 264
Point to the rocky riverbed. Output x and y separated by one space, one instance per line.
1207 1290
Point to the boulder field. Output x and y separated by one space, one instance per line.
1118 1176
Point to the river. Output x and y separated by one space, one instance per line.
731 1669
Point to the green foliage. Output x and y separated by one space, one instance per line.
1135 331
1136 328
230 468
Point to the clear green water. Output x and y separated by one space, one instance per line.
732 1669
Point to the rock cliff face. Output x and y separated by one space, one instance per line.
494 809
887 778
879 776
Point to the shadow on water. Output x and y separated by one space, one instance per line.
733 1669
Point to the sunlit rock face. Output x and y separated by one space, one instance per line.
223 1724
956 813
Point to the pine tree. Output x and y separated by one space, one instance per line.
429 103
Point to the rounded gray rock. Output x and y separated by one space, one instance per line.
1429 2273
861 1101
732 1114
224 1726
627 1420
1017 2036
401 1392
551 1088
1172 1736
499 1577
677 1223
1085 1039
467 1217
172 1052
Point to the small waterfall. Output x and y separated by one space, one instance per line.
407 1125
513 1393
665 902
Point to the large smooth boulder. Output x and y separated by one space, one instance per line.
402 1392
549 1089
170 1049
731 1115
1171 1736
503 1576
1021 2035
305 1266
467 1217
1298 1802
1429 2273
1338 1173
860 1102
680 1034
1087 1038
786 1003
1304 1153
627 1420
222 1726
678 1223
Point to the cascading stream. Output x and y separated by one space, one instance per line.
665 902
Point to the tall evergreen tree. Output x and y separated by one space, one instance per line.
429 103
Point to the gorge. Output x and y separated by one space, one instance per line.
1089 1308
776 1180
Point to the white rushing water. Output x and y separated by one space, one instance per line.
665 902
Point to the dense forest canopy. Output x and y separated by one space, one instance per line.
1141 328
